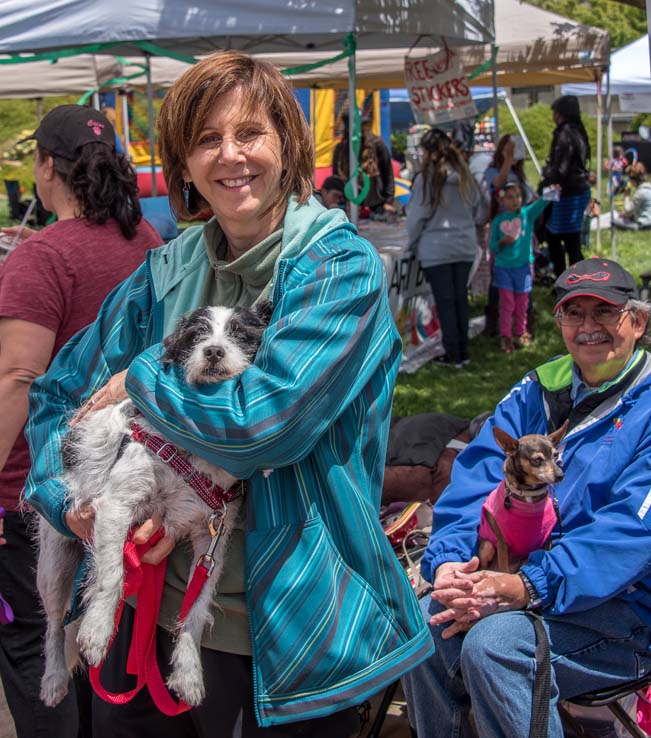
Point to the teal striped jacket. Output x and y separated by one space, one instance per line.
333 617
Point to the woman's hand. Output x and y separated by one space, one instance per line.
22 233
159 550
81 522
112 392
509 150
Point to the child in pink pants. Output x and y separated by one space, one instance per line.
512 242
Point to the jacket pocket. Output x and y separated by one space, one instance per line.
315 621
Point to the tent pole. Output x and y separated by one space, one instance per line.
496 113
39 109
352 107
523 133
95 100
600 151
125 121
150 116
611 195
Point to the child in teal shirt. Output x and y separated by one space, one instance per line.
512 242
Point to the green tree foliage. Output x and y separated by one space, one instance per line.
623 22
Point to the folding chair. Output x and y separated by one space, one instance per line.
610 697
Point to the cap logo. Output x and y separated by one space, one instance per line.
96 126
596 277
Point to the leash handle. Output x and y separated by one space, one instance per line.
542 680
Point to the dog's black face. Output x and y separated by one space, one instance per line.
216 343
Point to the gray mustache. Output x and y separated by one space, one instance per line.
596 336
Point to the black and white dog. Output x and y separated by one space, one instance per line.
124 484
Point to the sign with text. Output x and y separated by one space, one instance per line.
438 89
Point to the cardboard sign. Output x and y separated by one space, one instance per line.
438 89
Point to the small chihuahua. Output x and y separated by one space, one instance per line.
519 515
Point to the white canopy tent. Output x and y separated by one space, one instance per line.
629 73
534 47
202 26
66 77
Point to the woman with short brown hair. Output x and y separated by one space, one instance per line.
313 614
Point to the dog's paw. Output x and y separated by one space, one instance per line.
54 687
93 639
186 678
187 686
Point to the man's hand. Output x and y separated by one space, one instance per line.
111 393
489 592
453 582
453 579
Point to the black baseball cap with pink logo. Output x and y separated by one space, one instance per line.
604 279
67 128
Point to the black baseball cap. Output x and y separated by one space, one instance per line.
66 128
604 279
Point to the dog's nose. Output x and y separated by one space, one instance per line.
559 475
214 353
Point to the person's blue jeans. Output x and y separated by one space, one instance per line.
492 669
449 283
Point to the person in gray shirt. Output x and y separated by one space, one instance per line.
445 206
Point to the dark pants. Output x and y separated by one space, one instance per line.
561 244
21 642
449 283
226 712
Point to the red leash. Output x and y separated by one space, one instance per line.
146 581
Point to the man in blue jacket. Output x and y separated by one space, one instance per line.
592 589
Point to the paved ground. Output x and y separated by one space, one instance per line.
395 724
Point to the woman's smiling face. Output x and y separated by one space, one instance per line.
237 165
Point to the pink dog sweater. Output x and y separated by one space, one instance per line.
526 526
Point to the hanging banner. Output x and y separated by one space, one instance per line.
438 89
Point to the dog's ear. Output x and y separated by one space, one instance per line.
176 342
506 442
557 436
264 310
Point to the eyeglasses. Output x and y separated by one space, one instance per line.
602 315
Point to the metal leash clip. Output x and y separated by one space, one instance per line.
216 524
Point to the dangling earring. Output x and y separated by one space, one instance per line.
186 194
